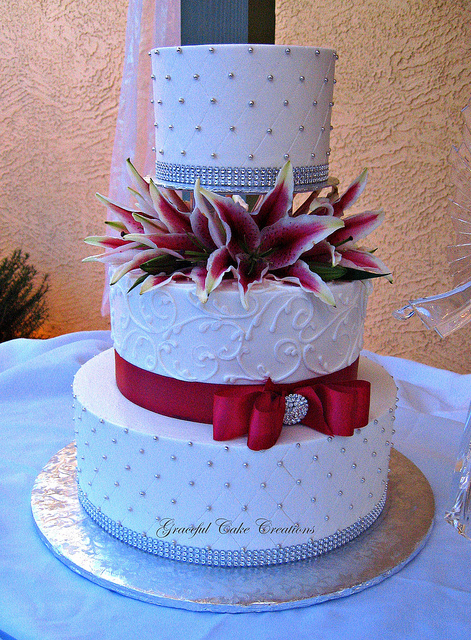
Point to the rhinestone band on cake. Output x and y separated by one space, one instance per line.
241 179
236 558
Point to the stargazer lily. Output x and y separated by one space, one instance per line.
162 238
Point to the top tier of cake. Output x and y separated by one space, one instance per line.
232 115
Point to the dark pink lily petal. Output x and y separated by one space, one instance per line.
200 226
300 274
286 240
106 242
249 273
161 279
219 263
321 207
304 207
175 200
242 232
352 194
278 202
322 252
357 227
113 257
364 261
198 276
135 263
175 220
142 186
217 230
150 225
127 248
124 215
177 243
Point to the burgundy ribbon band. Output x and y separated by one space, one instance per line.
338 403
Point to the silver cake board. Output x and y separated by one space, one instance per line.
391 542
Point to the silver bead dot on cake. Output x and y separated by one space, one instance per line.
212 100
269 130
263 485
230 75
301 127
286 156
279 506
251 103
173 501
116 484
211 49
142 493
113 440
196 76
245 464
209 463
232 128
301 78
156 476
213 155
191 483
173 457
250 156
244 507
250 49
167 77
287 51
270 77
155 438
183 152
181 100
286 102
197 127
141 451
227 485
127 467
314 104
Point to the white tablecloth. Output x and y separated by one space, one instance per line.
41 599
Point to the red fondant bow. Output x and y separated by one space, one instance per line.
334 409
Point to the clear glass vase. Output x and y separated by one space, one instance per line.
459 513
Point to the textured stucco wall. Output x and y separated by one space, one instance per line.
402 78
60 74
403 75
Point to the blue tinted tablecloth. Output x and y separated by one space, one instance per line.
41 599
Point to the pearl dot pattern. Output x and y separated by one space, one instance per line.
307 481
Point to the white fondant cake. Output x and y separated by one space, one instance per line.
231 115
285 334
186 344
165 486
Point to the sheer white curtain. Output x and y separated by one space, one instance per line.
150 23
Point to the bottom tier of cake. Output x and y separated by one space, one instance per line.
166 487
